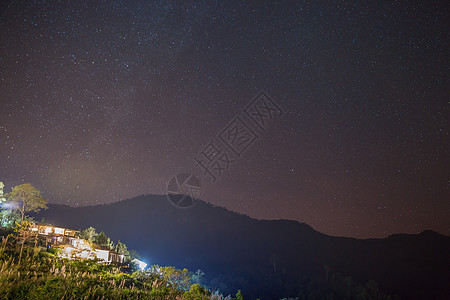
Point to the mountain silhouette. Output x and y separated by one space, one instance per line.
265 259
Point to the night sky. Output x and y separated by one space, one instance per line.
106 100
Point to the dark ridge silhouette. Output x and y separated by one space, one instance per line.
266 259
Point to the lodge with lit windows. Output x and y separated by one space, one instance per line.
72 246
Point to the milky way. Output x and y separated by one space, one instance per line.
106 100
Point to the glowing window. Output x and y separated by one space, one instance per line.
59 230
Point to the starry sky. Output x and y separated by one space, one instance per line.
102 101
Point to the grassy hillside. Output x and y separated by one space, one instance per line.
44 275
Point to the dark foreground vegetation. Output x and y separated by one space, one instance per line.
43 275
30 271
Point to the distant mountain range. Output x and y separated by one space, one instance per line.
265 259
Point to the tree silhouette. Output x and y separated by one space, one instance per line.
27 198
274 260
102 239
89 234
121 248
